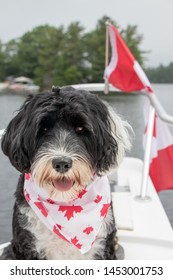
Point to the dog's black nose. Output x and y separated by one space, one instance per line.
62 164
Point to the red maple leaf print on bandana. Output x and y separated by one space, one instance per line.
42 208
98 199
88 230
27 196
27 176
77 221
104 210
56 230
82 193
70 210
75 242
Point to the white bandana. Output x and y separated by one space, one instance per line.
77 221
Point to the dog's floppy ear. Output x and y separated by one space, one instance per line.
13 143
121 132
113 138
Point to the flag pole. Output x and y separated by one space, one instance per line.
106 89
146 166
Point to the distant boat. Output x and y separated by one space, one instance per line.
4 86
20 85
24 84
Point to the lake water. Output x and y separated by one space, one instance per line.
130 107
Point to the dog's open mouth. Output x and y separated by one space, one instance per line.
63 184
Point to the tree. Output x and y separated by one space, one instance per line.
48 53
70 63
51 55
11 58
37 51
161 74
2 63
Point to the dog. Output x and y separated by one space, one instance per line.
64 142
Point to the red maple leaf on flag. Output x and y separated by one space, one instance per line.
88 230
98 199
83 192
104 210
42 208
75 242
70 210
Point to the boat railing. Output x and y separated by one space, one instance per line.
155 106
152 97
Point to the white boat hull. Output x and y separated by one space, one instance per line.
144 229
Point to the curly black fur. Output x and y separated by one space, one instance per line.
64 108
38 121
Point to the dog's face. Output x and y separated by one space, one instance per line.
63 138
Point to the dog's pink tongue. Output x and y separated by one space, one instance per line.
62 184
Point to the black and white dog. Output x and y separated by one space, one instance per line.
64 142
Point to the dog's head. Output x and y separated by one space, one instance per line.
63 138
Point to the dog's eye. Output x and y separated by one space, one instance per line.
80 129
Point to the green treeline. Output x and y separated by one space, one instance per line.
161 74
58 56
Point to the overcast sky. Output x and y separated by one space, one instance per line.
154 19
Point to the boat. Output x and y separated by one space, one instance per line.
20 85
3 86
144 230
24 84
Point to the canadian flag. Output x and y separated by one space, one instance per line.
161 159
123 71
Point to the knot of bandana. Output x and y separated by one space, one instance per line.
77 221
